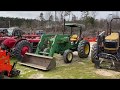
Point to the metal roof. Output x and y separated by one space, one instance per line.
74 25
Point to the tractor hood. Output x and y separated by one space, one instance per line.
112 36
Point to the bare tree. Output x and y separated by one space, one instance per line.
42 17
94 14
51 18
33 26
84 17
93 23
24 25
57 19
60 15
85 14
67 13
48 14
74 18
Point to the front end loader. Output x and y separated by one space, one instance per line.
64 44
106 52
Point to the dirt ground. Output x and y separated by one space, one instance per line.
105 72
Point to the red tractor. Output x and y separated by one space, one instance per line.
17 43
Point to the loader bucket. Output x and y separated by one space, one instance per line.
38 61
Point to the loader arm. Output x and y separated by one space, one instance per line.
56 42
44 41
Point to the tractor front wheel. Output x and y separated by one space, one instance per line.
94 53
68 56
21 48
83 49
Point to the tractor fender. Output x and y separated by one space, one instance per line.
18 41
9 42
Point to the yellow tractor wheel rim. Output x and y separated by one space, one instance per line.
69 56
86 49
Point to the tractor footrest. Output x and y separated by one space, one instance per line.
44 53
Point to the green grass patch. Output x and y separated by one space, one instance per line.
83 69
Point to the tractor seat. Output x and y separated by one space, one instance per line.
74 37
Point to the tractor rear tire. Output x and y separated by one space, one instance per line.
68 56
94 53
19 46
83 49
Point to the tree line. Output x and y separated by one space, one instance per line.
53 23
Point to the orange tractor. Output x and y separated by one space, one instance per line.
6 69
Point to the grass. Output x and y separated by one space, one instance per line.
78 69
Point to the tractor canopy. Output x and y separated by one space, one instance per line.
79 28
75 25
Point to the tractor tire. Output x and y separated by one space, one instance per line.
93 53
83 49
68 56
18 49
14 73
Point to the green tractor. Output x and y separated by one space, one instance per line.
64 44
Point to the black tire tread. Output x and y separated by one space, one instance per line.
93 52
18 47
65 56
81 50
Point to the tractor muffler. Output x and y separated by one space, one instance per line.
38 61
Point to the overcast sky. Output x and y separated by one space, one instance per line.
35 14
